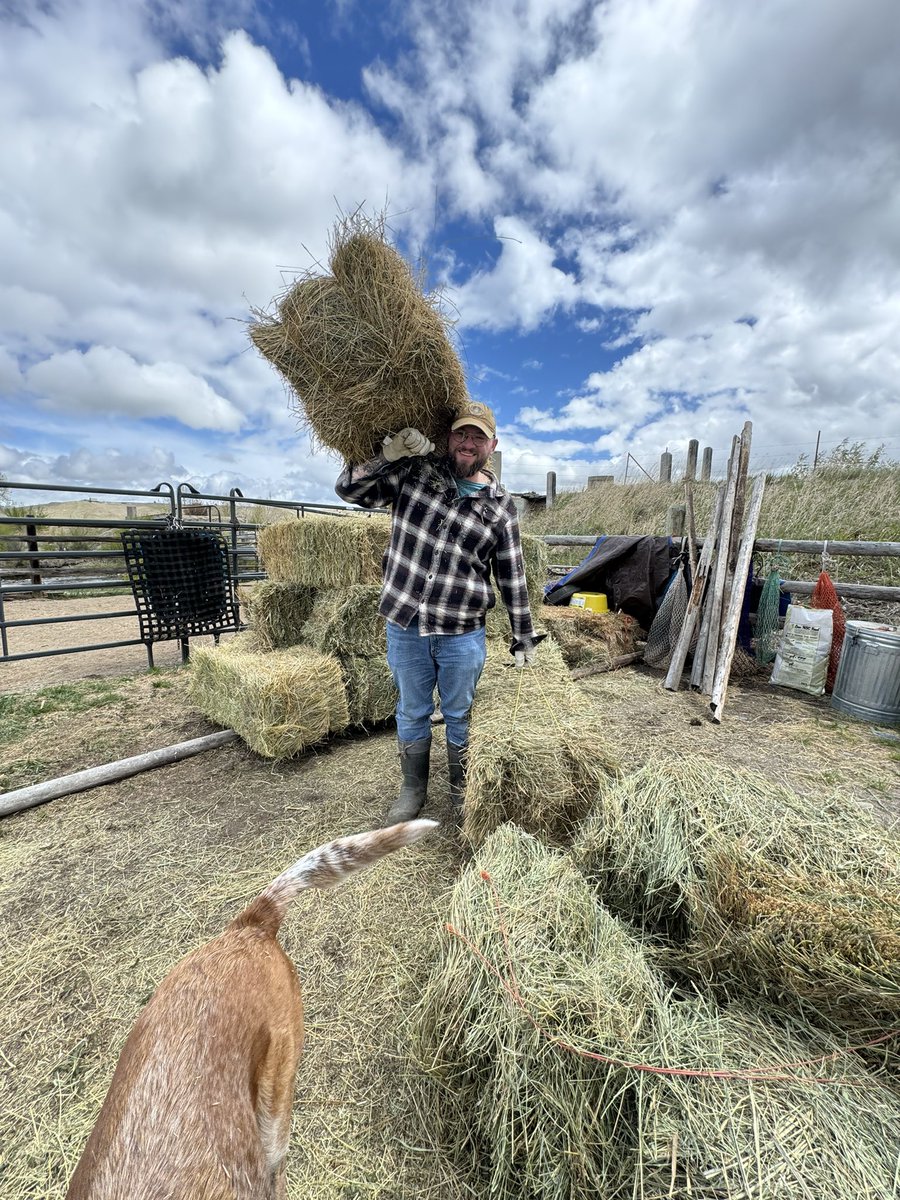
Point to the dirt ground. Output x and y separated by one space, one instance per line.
35 673
101 892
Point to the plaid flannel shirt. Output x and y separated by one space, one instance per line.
443 547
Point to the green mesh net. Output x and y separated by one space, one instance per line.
767 619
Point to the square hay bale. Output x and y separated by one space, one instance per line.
325 552
346 622
363 351
586 637
280 702
676 848
371 693
536 557
277 612
533 757
566 1066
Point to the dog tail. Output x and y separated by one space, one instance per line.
327 867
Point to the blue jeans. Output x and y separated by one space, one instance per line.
452 661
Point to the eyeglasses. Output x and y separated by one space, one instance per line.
480 439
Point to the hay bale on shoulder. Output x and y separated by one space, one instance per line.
364 352
533 756
280 702
277 612
325 552
586 637
536 558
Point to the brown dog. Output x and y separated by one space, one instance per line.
199 1107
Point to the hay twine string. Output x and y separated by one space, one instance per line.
772 1074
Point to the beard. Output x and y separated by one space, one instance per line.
465 468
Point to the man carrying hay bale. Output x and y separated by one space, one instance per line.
452 525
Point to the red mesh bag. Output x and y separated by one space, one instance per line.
824 596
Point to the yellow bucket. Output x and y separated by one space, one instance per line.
593 601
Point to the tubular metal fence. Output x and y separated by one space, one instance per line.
43 555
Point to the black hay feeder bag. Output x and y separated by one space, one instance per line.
182 585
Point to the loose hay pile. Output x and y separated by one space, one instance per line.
534 756
831 942
586 638
363 351
534 970
280 701
325 552
277 612
703 857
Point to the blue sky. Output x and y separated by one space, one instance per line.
654 219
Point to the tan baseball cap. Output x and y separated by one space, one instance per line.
477 414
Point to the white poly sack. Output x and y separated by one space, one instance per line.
802 658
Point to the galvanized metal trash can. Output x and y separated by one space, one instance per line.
868 678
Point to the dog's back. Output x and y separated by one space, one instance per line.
199 1104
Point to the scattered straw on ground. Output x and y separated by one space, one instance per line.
535 756
279 701
363 351
325 552
101 893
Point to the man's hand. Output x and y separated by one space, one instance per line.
526 657
405 444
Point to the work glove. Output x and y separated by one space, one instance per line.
405 444
526 656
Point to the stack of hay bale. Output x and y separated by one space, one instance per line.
313 662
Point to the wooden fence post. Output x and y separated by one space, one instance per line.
665 467
706 467
551 488
675 520
497 463
690 467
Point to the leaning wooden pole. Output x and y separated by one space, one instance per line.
81 781
717 596
737 517
695 603
733 616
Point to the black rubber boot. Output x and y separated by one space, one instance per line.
456 769
414 761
